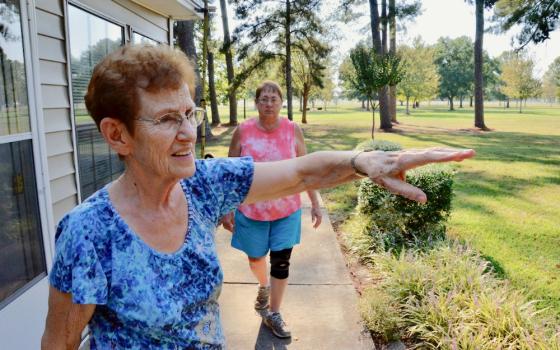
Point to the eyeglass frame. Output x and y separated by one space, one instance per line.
272 101
179 122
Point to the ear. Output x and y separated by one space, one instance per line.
116 135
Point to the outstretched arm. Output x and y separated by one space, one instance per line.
330 168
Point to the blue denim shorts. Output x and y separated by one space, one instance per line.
256 238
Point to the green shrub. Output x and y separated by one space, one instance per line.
402 222
379 146
448 298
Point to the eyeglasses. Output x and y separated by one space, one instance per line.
174 120
266 101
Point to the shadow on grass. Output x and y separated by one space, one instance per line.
497 268
504 146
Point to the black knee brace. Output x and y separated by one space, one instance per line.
280 263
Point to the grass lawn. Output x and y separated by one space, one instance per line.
507 202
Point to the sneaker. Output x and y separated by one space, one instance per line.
277 325
263 295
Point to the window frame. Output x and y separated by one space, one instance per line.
37 136
134 31
126 39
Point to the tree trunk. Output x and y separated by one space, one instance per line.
393 51
363 104
226 49
288 60
300 103
372 121
212 90
367 105
451 108
383 102
305 94
384 26
460 101
185 39
507 103
471 100
478 67
520 105
244 108
407 109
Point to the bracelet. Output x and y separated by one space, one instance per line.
353 163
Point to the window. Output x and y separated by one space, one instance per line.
138 38
21 247
91 39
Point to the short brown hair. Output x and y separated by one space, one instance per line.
113 88
268 85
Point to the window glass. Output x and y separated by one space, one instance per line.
91 39
14 111
141 39
21 246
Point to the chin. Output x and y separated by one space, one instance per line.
186 173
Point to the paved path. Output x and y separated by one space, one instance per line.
320 301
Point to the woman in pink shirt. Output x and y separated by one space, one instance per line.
273 225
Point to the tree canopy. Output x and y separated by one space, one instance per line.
420 80
455 64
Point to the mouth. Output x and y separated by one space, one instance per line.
181 154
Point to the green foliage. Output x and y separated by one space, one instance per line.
537 18
379 145
449 298
455 64
517 75
421 78
402 222
371 71
551 81
261 37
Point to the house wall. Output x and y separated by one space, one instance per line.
55 89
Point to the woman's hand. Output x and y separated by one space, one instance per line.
228 221
388 169
316 216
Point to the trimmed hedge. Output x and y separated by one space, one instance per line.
379 146
398 221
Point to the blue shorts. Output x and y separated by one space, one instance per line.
255 237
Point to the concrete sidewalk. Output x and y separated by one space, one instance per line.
320 301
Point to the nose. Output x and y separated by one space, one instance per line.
186 132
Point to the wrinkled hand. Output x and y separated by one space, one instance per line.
388 169
316 216
228 221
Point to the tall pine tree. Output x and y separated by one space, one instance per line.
270 27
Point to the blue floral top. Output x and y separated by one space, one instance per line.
146 299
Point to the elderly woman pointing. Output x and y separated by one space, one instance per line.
136 261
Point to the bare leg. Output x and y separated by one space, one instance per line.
277 288
259 270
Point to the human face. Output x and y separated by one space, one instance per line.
166 153
269 104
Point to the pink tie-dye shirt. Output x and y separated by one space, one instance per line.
277 144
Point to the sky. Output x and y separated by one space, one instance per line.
451 18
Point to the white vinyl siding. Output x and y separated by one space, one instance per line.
137 17
53 74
